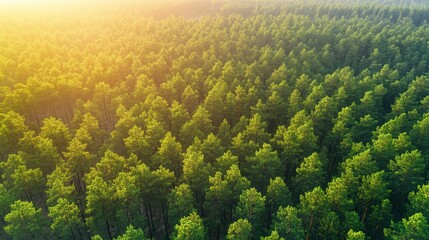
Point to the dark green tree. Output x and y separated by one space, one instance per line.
24 221
261 167
190 228
66 221
240 230
180 203
252 207
278 195
352 235
288 224
419 201
407 173
309 175
415 227
313 207
132 234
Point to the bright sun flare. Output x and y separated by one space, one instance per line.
32 2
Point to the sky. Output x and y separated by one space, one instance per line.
45 3
76 1
60 4
56 2
39 3
46 7
33 1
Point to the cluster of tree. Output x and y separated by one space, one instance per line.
269 120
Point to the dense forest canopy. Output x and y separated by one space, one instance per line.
214 120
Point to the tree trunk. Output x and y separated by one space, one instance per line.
148 222
165 219
151 218
364 214
108 229
72 234
307 237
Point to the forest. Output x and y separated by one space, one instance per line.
237 120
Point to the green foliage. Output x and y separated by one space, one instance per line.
274 236
419 201
415 227
240 229
408 171
39 152
196 173
190 228
374 207
132 234
180 203
199 126
296 141
263 166
57 131
65 217
313 207
169 154
58 183
288 224
24 221
99 205
352 235
236 182
310 174
212 148
239 120
278 195
224 162
252 207
12 129
6 200
27 182
137 143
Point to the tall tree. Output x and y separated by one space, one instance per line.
309 175
190 228
352 235
199 126
313 207
419 201
408 172
12 129
216 204
169 155
132 234
78 160
212 148
57 131
136 143
415 227
59 186
196 174
278 195
225 161
252 207
180 203
240 230
24 221
65 219
100 207
179 116
296 142
261 167
288 224
274 236
373 203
